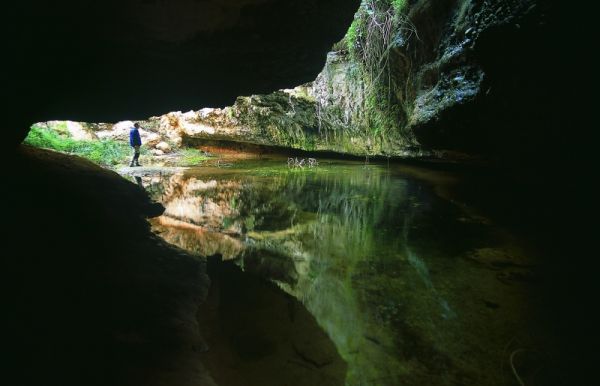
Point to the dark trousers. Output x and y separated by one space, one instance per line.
136 155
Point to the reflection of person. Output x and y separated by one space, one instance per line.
138 180
135 141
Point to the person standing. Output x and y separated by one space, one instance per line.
135 141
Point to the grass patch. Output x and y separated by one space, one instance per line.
103 152
192 157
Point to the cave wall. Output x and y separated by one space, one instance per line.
484 88
464 79
467 77
91 296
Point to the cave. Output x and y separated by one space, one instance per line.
392 200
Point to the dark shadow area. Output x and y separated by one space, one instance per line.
259 335
532 122
547 209
90 295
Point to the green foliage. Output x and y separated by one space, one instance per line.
399 5
369 41
351 37
192 157
104 152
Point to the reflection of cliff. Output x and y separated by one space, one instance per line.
371 255
208 203
320 235
197 239
200 214
333 239
376 258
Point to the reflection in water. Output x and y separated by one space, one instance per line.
138 180
394 274
258 335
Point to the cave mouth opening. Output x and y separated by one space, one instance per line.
108 146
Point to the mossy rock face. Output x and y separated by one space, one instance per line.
284 118
296 118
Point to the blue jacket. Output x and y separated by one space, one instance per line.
134 137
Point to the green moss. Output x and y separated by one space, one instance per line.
399 5
351 37
369 43
103 152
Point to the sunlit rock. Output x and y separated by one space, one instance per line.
78 132
163 147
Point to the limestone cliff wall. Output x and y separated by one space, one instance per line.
449 79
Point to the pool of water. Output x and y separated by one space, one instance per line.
410 284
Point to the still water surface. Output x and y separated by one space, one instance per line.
411 286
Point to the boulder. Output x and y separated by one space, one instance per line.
163 146
150 139
169 126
